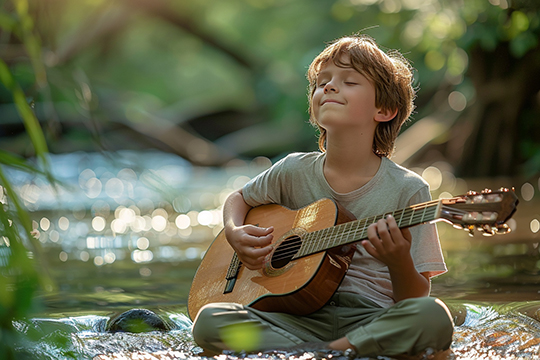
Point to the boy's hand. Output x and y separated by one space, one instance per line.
251 243
388 243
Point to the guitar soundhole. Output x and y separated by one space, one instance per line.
285 251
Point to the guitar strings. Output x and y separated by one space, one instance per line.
358 231
290 249
358 228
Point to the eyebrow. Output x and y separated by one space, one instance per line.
345 70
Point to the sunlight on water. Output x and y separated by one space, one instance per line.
110 205
131 232
486 332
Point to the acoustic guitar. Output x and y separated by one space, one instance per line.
313 247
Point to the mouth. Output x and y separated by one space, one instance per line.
330 101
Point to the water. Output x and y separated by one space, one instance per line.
130 234
74 320
484 332
84 337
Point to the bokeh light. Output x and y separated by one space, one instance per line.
159 223
457 101
143 243
182 221
142 256
433 176
205 218
115 226
54 236
63 223
63 256
527 191
98 223
45 224
535 226
118 226
93 188
114 188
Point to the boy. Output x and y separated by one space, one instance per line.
359 97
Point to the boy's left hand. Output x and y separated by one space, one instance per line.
388 243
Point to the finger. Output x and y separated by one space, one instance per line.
406 234
254 258
258 236
384 232
393 228
372 232
259 253
373 237
258 231
255 241
252 265
397 233
371 250
253 252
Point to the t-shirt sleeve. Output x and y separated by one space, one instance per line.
426 248
267 187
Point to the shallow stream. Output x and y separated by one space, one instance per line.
74 320
133 238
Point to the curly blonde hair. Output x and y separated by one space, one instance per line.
390 73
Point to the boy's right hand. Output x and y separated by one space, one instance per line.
251 243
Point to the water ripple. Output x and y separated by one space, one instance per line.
487 332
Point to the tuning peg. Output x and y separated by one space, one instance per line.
487 230
470 228
503 229
494 197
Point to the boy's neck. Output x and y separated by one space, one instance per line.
350 165
354 156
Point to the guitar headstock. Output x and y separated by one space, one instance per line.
487 211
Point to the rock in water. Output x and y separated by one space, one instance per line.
137 321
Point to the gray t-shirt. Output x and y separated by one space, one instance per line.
298 180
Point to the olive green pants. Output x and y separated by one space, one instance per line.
409 327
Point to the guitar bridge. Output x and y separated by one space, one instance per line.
232 274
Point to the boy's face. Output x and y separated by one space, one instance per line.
344 98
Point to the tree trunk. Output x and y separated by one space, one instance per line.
507 101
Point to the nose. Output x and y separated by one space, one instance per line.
329 87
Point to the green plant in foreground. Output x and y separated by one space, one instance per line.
21 272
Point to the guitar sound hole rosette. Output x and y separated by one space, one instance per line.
279 260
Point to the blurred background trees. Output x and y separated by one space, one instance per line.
213 80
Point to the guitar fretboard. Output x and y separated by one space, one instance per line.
356 230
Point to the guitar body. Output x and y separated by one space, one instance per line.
313 248
299 286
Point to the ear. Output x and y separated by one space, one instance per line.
385 115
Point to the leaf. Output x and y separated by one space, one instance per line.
7 22
23 108
18 162
521 44
11 222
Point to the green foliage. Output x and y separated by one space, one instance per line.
172 61
19 277
127 63
29 118
95 66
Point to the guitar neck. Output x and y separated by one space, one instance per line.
356 230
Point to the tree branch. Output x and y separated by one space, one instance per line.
161 9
